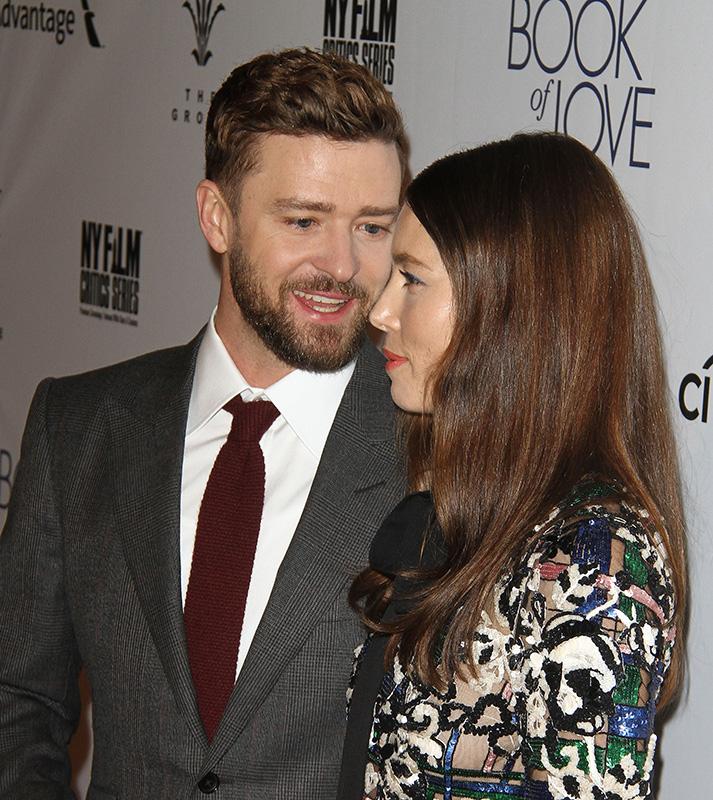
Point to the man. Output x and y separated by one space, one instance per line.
218 668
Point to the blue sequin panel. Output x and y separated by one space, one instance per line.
388 684
631 723
461 788
537 790
596 599
448 765
592 544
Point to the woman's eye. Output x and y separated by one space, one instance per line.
410 279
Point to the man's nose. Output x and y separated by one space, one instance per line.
338 257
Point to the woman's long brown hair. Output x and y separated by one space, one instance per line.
554 369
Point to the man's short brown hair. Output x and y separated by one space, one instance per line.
295 92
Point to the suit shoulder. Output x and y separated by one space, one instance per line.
369 392
370 370
133 372
81 396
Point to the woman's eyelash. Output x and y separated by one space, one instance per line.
410 278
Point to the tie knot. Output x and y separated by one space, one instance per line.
250 420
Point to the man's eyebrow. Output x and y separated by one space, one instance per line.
379 211
302 204
407 260
305 204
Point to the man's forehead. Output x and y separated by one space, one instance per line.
313 148
314 173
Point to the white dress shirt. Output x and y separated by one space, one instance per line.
292 448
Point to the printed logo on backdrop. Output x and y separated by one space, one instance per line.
694 394
609 105
89 25
363 32
194 106
6 465
203 15
110 272
195 101
41 18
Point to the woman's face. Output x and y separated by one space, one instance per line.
414 312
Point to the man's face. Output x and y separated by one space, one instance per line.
313 245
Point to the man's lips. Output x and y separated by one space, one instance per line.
393 360
324 306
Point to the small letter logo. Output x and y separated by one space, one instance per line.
89 25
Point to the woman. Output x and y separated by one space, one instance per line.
524 601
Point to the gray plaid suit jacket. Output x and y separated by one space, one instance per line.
89 575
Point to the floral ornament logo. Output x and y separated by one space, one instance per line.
203 16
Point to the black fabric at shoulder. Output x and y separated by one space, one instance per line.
399 542
397 547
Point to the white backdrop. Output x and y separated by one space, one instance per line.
101 112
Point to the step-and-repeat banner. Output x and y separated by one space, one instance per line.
102 109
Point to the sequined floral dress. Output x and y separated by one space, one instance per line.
571 655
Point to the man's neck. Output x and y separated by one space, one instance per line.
259 366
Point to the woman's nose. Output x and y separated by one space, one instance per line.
384 314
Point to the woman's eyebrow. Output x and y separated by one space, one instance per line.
404 259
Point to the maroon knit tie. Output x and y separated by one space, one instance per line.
223 555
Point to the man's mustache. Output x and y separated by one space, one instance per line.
324 283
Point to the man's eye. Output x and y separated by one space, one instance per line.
302 222
410 279
373 229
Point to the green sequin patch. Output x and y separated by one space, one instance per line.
627 690
626 605
588 491
619 747
431 793
635 565
556 758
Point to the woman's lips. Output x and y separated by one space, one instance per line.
393 360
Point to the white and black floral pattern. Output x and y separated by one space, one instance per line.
570 655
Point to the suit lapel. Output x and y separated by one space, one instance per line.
148 430
329 545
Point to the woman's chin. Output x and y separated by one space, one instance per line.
407 402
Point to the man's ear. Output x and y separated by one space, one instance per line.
214 216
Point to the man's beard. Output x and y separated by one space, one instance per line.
310 346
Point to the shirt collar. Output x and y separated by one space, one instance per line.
308 401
